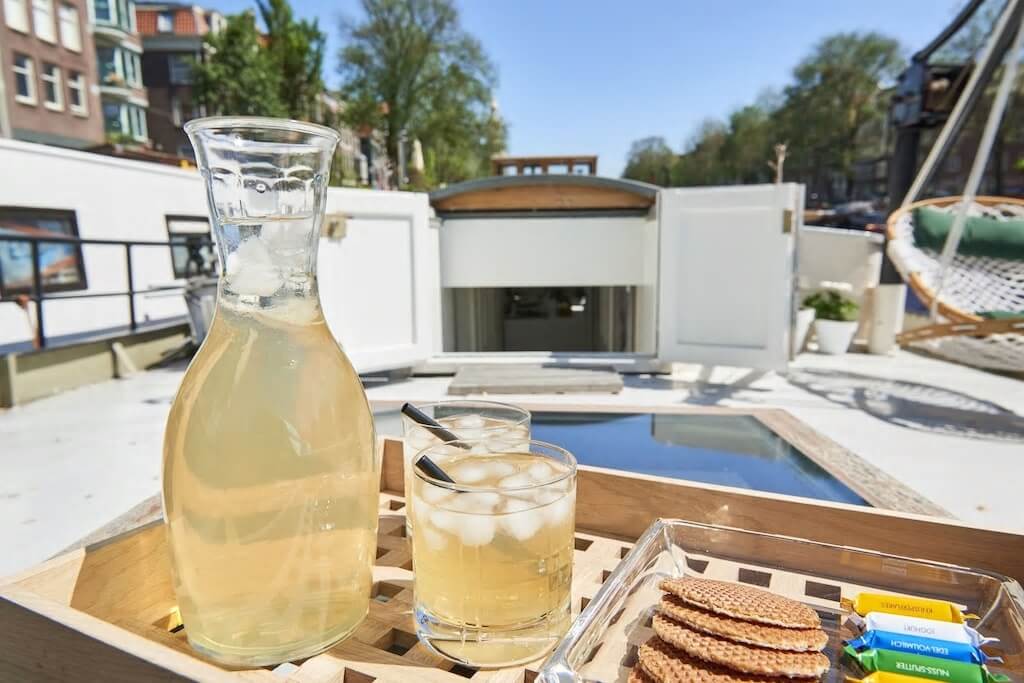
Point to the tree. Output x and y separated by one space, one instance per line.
836 97
650 160
295 50
833 113
408 65
237 77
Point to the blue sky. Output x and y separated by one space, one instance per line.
592 76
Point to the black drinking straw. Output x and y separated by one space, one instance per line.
425 464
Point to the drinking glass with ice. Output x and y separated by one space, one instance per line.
492 552
504 428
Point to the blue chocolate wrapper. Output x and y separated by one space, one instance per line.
930 647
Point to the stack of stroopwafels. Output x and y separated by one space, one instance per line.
718 632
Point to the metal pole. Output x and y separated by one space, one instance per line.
131 287
37 294
959 113
403 137
988 136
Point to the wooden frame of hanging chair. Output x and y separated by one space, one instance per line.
961 323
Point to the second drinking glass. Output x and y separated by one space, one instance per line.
504 427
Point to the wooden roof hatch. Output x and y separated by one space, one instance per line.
544 193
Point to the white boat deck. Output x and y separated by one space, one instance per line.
74 461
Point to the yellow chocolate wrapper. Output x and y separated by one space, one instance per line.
884 677
926 608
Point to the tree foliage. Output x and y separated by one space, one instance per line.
295 50
277 74
408 65
237 77
831 114
650 160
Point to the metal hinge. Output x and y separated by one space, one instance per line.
787 221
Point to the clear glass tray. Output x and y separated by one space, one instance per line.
602 644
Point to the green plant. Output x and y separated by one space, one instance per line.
829 304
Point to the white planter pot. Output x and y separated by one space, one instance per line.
834 336
804 318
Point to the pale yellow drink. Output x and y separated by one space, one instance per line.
270 486
493 559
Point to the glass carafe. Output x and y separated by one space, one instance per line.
270 471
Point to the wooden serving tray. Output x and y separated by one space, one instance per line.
106 612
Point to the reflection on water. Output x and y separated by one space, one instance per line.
731 450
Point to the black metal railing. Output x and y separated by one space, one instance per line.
196 265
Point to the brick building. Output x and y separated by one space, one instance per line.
172 38
119 60
48 74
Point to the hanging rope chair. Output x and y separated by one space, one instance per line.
976 302
979 294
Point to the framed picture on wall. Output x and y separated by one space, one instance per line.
61 267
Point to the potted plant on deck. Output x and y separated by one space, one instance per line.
835 320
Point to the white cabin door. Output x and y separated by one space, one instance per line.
379 276
725 281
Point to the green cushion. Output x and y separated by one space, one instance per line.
1001 315
983 236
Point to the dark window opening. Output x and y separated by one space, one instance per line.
191 248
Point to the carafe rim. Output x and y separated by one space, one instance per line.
260 122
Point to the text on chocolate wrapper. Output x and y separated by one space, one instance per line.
907 608
922 669
920 647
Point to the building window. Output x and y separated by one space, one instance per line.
42 20
24 79
109 66
53 94
112 122
77 101
70 31
180 69
165 22
103 11
16 12
60 265
123 121
191 250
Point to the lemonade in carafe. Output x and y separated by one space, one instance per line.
270 467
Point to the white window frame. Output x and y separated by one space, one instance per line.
183 68
56 79
136 68
70 27
16 15
78 84
161 25
42 16
137 115
29 72
127 67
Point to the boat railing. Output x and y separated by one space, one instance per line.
196 266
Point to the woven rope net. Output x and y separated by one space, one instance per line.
973 285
